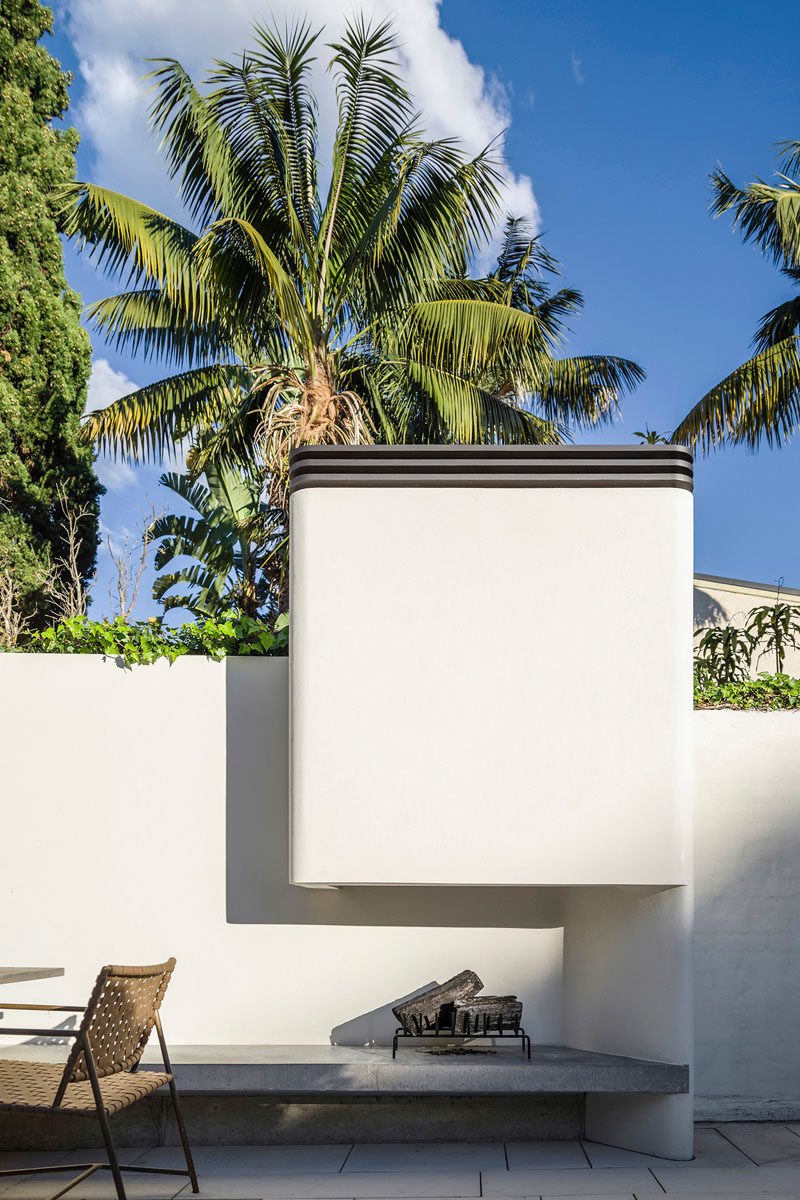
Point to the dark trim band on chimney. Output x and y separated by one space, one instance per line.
491 466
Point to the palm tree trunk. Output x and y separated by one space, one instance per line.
321 409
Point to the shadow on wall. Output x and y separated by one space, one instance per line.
375 1028
708 612
257 838
53 1039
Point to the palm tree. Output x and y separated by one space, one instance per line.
237 540
650 437
297 318
761 398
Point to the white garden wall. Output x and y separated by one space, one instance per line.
747 919
144 813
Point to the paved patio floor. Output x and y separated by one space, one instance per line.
731 1160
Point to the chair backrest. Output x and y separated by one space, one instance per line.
119 1018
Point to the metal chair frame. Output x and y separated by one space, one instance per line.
113 1165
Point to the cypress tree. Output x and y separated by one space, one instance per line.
45 355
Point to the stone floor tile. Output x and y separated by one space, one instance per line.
97 1187
9 1159
251 1160
33 1158
125 1154
545 1155
426 1156
225 1187
375 1185
716 1180
572 1182
600 1196
763 1142
712 1149
604 1157
780 1172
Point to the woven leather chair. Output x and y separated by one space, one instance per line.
101 1075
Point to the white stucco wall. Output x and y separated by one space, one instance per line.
145 814
747 925
474 677
627 989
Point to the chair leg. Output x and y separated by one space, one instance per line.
176 1104
111 1151
105 1128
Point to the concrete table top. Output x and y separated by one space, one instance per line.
22 974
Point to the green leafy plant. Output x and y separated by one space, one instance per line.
650 437
296 315
776 629
767 693
238 541
143 642
723 654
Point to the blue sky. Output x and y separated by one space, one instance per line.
615 114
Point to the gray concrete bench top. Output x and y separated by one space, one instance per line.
299 1070
24 974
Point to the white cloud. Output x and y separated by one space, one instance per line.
577 73
113 37
117 540
105 386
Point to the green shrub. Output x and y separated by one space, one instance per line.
147 641
767 692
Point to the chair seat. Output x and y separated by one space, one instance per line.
31 1087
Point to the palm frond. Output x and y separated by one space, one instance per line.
269 146
762 213
213 259
130 239
442 216
374 109
284 65
150 323
212 179
758 401
213 544
195 493
521 252
585 391
469 336
469 414
789 157
152 420
778 324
